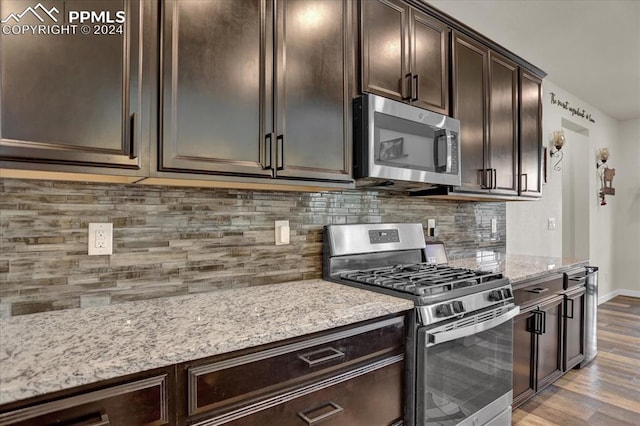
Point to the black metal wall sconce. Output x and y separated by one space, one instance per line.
558 141
606 175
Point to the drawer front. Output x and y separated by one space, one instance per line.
245 378
142 402
369 396
534 292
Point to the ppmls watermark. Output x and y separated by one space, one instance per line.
40 20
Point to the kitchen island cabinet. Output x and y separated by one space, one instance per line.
184 347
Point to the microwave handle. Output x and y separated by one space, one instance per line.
448 147
446 336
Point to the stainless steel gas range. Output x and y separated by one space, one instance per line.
459 346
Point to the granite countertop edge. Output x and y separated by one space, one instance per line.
519 267
54 351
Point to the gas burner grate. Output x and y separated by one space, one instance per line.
420 278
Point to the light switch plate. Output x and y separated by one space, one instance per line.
551 224
494 225
282 232
100 239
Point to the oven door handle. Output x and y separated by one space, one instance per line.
437 338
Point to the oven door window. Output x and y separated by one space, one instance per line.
459 377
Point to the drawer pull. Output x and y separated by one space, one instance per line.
538 290
310 421
98 419
311 359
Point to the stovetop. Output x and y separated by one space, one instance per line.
420 279
393 258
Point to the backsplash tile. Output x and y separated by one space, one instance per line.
172 241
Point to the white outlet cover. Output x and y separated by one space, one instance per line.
282 232
100 239
494 225
551 223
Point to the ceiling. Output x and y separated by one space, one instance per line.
589 48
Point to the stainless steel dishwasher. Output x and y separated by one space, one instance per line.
591 316
588 276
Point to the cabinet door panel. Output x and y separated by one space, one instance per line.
470 107
213 86
429 62
385 48
68 98
503 119
549 365
574 331
530 135
312 86
523 352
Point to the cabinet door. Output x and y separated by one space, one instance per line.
313 138
385 44
503 128
574 329
523 359
530 179
73 98
429 62
470 105
216 74
549 362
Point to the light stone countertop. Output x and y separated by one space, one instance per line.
517 267
53 351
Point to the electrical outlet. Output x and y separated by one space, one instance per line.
282 232
431 227
551 223
494 225
100 239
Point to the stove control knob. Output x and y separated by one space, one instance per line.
458 307
506 292
495 296
443 310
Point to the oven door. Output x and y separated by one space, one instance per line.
465 369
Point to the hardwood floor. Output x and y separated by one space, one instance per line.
607 391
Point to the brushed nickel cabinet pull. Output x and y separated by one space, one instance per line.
304 415
267 151
280 143
415 85
311 359
133 152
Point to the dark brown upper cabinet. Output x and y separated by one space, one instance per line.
405 54
77 102
485 100
471 107
257 89
502 147
530 178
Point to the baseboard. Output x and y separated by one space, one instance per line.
618 292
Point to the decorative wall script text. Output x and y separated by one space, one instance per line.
580 112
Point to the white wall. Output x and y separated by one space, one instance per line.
626 228
527 231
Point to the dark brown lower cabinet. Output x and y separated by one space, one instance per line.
538 342
574 328
370 398
141 401
351 375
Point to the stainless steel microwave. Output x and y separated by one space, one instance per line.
399 146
